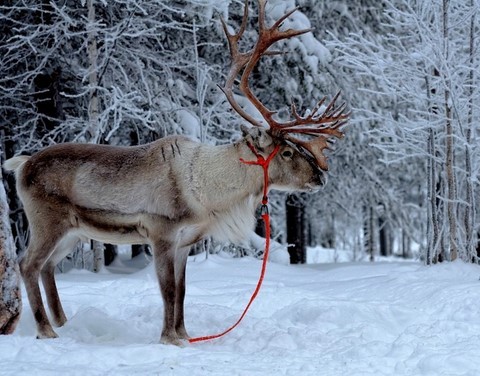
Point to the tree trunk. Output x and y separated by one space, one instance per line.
451 183
449 151
295 209
98 250
10 298
369 233
383 238
47 83
469 218
47 101
433 225
406 253
110 253
260 225
137 249
478 246
93 131
328 233
17 216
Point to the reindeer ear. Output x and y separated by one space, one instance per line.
245 130
263 139
258 137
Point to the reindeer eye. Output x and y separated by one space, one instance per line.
287 154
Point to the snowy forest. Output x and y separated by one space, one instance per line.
403 182
403 188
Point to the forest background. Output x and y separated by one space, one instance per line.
404 181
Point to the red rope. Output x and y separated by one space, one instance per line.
261 161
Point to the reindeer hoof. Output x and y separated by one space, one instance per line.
182 334
171 340
47 333
59 321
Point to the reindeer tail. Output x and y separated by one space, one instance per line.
14 164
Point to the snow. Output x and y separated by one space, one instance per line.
388 318
189 123
312 50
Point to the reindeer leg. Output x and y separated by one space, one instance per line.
163 253
180 269
53 300
37 253
63 248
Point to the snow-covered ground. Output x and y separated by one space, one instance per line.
387 318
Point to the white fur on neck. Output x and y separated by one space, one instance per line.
235 224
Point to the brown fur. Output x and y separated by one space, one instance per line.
169 194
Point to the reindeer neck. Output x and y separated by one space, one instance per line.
224 180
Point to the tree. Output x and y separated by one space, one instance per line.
10 296
295 220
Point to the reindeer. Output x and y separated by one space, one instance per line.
169 193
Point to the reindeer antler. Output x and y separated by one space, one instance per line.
313 123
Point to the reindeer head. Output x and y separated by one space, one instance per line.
301 163
289 170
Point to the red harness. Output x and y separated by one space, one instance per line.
261 161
